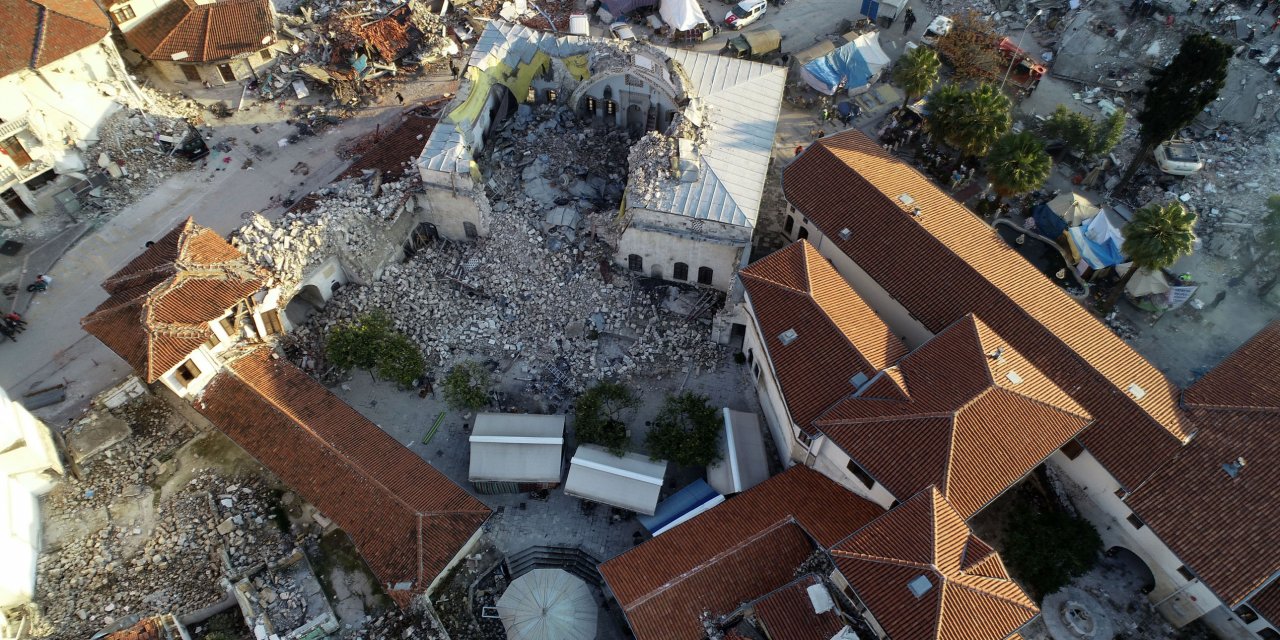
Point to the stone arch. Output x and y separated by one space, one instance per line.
1134 563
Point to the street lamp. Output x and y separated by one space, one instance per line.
1013 56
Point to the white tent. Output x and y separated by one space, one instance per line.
548 604
1144 282
1074 208
516 447
868 45
630 482
682 15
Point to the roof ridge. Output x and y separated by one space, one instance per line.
960 579
895 562
931 415
739 546
756 276
207 10
38 46
359 469
1087 417
67 15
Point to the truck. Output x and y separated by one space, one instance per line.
755 45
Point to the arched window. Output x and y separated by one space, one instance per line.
680 271
635 262
704 275
804 233
791 224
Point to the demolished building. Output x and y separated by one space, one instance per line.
60 75
192 313
702 128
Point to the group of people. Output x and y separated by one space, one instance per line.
11 325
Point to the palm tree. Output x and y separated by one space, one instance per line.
916 72
985 118
944 109
1157 236
1017 164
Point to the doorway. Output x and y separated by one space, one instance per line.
15 203
190 72
227 74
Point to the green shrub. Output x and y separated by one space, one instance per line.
686 431
1046 548
371 343
598 416
466 388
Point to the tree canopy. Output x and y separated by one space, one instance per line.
1157 236
1018 164
971 47
1083 135
916 72
466 388
1045 548
686 431
371 343
598 416
971 121
1178 92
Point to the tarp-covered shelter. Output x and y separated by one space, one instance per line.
1143 283
1066 210
630 482
854 65
510 451
681 506
548 604
681 15
619 8
1097 242
743 462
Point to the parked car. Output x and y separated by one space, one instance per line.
940 26
745 13
622 31
1178 158
755 45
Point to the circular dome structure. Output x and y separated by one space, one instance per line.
548 604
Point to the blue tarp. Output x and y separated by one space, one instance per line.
844 66
1098 242
682 505
1048 223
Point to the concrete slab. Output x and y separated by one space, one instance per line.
97 437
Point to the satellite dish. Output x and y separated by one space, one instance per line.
266 39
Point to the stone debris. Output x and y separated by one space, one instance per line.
135 152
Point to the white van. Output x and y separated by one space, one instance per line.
745 13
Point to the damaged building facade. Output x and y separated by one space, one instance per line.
197 316
701 130
201 42
61 75
860 364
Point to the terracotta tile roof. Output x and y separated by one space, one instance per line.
925 538
969 423
1222 527
1267 602
959 265
838 335
395 150
406 518
35 33
743 548
161 303
205 32
787 614
146 629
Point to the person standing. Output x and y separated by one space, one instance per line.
908 20
400 97
1263 7
453 69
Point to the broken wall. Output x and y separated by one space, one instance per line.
28 468
663 239
451 213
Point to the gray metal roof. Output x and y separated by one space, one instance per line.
743 101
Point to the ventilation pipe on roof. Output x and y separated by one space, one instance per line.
997 355
1234 468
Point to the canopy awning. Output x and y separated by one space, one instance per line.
630 482
743 462
682 15
681 506
548 604
844 67
516 447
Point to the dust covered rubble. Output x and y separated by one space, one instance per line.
135 157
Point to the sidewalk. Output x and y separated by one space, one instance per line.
41 260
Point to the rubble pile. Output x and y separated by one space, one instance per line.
411 625
345 218
136 148
650 162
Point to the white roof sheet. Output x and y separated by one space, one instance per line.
743 99
743 463
514 447
631 482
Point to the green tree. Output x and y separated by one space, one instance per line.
1017 164
371 343
971 47
466 388
969 120
598 416
1177 93
686 431
1083 135
1046 548
916 72
1157 236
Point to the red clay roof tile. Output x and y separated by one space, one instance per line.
788 614
925 540
735 552
1222 527
838 335
35 33
405 517
204 32
846 180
